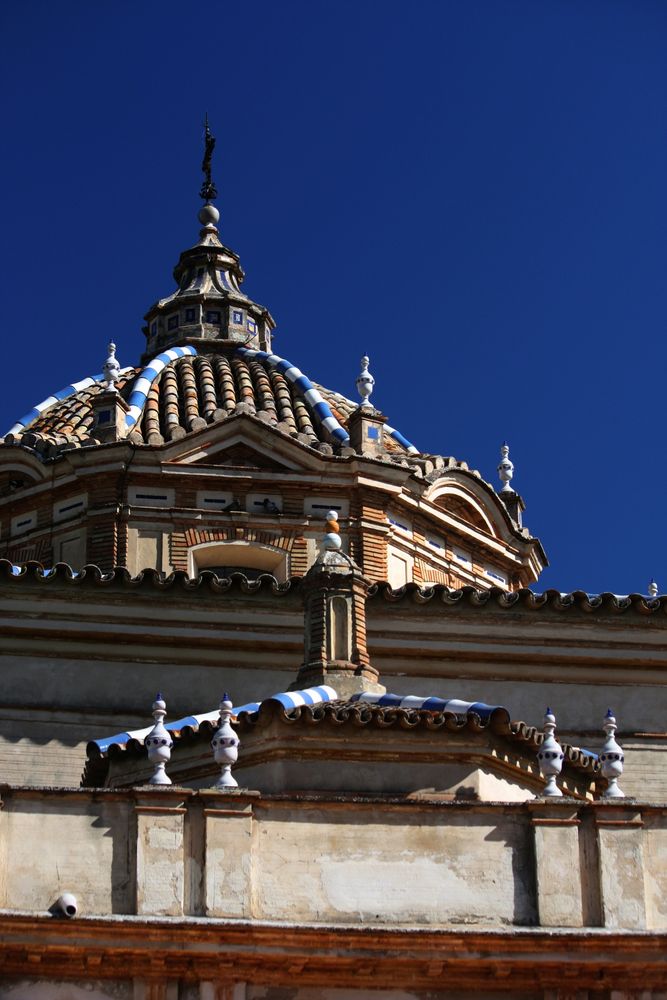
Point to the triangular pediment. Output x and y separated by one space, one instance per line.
242 442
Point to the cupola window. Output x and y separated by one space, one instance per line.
213 316
237 317
172 322
189 315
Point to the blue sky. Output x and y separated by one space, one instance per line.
471 192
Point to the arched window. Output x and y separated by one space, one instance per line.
250 558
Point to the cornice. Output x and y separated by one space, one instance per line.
343 956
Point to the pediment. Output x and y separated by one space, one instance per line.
242 442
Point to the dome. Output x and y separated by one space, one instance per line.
181 392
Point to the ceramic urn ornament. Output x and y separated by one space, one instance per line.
611 759
225 746
550 756
158 743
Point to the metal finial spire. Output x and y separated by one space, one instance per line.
505 468
208 189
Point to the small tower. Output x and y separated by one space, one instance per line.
335 621
208 308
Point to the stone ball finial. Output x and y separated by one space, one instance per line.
225 746
550 757
365 382
209 216
159 743
505 468
111 368
611 759
332 540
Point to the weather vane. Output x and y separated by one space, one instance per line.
208 189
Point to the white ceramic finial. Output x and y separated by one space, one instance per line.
652 589
111 368
550 756
332 541
505 468
365 382
225 746
611 759
158 743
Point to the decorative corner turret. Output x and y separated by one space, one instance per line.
511 499
109 407
208 308
366 424
335 593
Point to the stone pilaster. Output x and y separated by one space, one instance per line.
228 855
557 867
160 857
621 860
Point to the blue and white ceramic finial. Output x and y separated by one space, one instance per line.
550 757
111 368
611 759
505 468
225 746
652 588
158 743
365 382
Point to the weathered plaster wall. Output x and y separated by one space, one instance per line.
342 859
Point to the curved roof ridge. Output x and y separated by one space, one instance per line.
146 378
314 398
69 390
316 403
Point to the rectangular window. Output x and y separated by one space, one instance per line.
212 316
318 506
213 499
496 575
72 507
189 315
399 522
151 498
264 503
237 317
172 322
23 522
